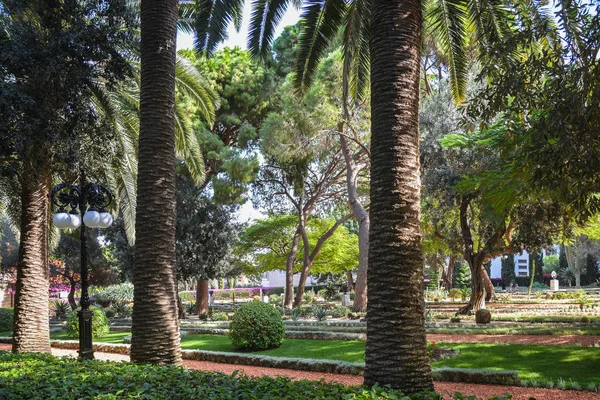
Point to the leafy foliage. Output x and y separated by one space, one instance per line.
60 308
6 319
116 293
26 376
100 325
204 235
256 326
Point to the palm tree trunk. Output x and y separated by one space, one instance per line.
155 326
31 331
396 349
202 296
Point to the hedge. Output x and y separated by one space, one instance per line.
26 376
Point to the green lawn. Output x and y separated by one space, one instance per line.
580 364
6 334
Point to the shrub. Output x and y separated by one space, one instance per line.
99 323
483 316
296 313
256 326
190 308
6 319
121 309
220 316
330 292
61 309
122 292
275 299
319 313
454 293
340 312
585 320
455 320
187 297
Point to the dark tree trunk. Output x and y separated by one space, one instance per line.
448 274
350 280
478 291
155 325
289 272
396 348
31 331
71 295
488 285
180 310
202 296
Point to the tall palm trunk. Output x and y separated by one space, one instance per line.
155 326
31 332
396 349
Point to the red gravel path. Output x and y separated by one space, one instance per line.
549 340
445 388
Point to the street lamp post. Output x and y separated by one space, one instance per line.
78 198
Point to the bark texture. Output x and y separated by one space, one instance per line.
202 296
362 217
289 272
31 331
396 352
155 326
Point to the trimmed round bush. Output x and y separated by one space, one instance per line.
256 326
100 325
483 316
6 319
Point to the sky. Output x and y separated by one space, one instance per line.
239 39
185 41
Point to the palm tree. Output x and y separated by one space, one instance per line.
155 323
396 336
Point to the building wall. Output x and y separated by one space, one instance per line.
521 264
277 279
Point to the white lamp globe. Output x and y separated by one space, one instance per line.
61 220
91 218
106 220
75 221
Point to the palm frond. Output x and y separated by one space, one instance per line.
266 15
447 21
356 52
188 148
193 85
127 198
212 17
321 20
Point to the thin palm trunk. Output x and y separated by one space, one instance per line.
31 331
155 326
396 348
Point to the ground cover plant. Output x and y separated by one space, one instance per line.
43 376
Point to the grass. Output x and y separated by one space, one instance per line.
6 334
581 364
542 363
516 331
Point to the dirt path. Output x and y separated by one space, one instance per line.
548 340
445 388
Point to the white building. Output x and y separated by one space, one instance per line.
277 279
521 264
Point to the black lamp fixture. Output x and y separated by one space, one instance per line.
90 201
